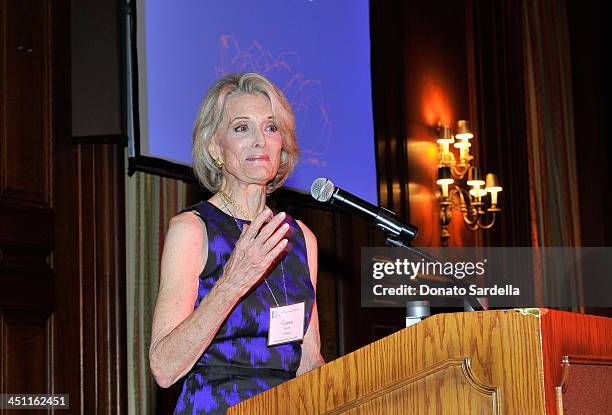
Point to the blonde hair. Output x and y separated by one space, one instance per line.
211 114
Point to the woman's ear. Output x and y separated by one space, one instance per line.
214 149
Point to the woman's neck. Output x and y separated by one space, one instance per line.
250 197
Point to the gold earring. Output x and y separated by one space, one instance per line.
218 162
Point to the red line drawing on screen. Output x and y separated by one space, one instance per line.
304 94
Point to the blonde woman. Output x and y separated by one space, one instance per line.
236 311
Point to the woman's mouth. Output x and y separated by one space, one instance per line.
260 157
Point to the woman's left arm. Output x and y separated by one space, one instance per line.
311 345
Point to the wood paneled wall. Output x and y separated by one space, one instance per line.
30 270
62 249
98 137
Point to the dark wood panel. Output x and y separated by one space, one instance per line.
26 259
26 241
67 313
27 283
26 292
103 286
25 372
62 236
22 225
25 109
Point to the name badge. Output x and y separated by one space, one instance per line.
286 324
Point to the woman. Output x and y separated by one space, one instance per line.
230 263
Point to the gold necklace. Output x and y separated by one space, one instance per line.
235 204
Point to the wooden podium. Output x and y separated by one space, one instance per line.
528 361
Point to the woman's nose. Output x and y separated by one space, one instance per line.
260 138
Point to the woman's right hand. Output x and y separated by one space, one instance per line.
259 245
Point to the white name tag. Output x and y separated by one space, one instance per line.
286 324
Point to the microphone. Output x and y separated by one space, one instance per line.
324 190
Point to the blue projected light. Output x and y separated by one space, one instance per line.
317 52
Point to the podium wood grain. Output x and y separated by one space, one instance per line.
463 363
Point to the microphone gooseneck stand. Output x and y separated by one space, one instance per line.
398 233
394 241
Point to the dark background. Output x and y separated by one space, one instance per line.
62 142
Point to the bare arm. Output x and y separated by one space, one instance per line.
181 334
311 345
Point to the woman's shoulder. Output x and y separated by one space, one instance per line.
204 211
201 208
187 224
194 217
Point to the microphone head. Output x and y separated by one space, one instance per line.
322 189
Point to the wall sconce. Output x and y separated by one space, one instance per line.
478 210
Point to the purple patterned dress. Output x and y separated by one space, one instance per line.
238 363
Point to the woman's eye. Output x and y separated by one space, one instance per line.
241 128
272 128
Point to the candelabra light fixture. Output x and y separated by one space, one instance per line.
461 184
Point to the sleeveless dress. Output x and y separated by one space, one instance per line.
238 363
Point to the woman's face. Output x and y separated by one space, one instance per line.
248 140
